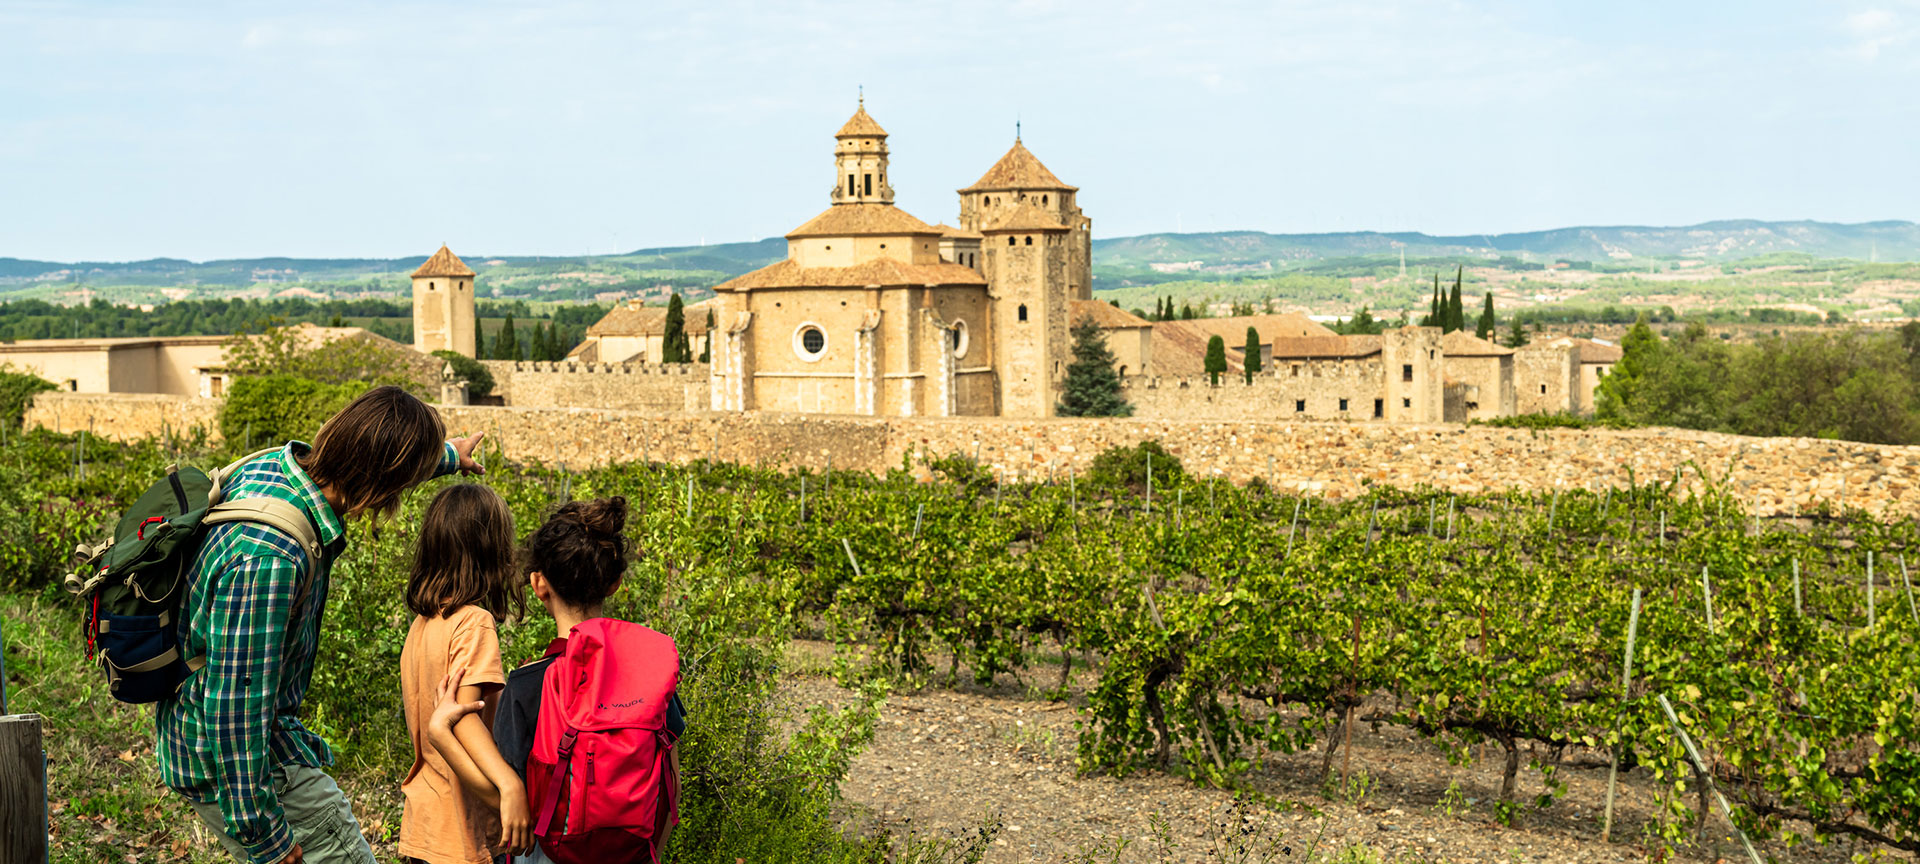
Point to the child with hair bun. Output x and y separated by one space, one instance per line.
611 698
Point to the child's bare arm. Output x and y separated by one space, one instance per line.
457 705
510 795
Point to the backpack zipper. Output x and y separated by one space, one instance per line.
589 762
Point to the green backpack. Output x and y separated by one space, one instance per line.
134 583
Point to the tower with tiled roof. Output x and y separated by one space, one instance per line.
443 317
860 161
1036 252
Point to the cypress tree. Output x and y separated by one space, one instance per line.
542 342
1456 313
506 344
706 342
1433 318
1216 359
1485 327
1092 387
1252 351
673 342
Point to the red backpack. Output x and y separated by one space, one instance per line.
599 781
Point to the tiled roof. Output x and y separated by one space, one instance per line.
1019 169
861 124
1024 216
880 271
443 263
1312 347
961 233
1104 315
1270 327
1181 352
628 319
1460 343
1599 352
849 220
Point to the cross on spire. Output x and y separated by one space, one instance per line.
863 94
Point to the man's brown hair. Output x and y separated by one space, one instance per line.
375 449
465 556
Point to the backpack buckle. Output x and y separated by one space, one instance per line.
566 744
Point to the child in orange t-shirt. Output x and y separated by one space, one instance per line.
463 580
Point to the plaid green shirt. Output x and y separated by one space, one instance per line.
247 613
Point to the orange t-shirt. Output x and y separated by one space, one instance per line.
442 823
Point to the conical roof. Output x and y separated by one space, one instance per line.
1019 169
444 263
860 125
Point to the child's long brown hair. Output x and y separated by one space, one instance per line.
465 555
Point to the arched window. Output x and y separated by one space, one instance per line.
1043 199
1023 311
1029 239
1012 241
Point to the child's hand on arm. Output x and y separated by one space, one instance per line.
447 715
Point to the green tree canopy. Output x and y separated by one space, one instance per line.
1486 326
506 343
1251 361
1517 335
1092 388
674 347
1216 359
1614 397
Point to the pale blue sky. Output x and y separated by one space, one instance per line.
203 130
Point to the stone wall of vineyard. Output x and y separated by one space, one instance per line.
1333 459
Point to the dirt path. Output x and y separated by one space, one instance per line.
944 759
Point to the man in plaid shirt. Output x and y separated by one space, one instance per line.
230 738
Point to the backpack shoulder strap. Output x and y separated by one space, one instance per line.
220 476
282 516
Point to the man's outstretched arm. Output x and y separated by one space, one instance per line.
457 455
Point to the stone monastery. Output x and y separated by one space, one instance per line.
877 313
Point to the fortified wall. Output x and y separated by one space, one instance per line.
1339 460
1299 390
622 386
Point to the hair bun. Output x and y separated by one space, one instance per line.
605 516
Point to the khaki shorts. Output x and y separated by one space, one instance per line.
317 812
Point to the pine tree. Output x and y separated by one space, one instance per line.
1638 352
1486 325
1171 312
1517 336
541 349
1362 322
1186 312
706 342
1092 388
506 344
673 342
1456 313
1252 360
1216 359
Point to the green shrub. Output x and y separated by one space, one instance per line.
16 390
479 380
1127 466
1558 420
273 409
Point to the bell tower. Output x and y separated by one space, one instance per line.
443 317
860 161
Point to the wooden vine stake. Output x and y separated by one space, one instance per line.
1706 588
689 499
1626 682
1554 511
1870 617
1295 526
1073 491
1907 580
1370 517
803 499
1149 481
23 789
917 513
1449 518
1699 766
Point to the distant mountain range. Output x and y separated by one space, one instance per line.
1215 252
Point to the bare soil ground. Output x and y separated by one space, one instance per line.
944 760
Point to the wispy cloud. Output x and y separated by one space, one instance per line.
1872 32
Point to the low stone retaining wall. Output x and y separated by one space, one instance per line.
1772 475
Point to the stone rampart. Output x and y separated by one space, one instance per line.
125 416
622 386
1293 390
1333 459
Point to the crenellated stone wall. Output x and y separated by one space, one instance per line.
1333 459
626 386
